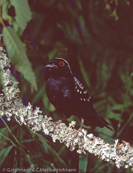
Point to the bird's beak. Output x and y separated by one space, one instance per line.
49 66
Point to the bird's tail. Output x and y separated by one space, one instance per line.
104 123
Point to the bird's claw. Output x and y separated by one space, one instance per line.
56 124
82 123
79 130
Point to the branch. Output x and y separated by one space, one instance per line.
10 105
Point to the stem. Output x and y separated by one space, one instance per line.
7 138
10 131
20 146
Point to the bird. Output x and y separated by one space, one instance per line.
68 95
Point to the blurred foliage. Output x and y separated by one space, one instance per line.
97 40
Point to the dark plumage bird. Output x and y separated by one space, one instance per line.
68 95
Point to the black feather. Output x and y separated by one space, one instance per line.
68 94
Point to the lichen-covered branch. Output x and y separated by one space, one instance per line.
11 105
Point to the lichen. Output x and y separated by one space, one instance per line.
12 106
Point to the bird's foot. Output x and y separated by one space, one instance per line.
56 124
79 130
82 123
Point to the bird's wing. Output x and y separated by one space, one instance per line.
84 104
81 91
83 97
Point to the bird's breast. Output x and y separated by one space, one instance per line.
60 92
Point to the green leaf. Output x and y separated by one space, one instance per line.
4 153
116 116
125 125
39 94
70 31
101 167
84 30
100 105
2 130
45 100
53 152
5 6
117 107
83 162
17 54
52 53
27 141
84 73
23 13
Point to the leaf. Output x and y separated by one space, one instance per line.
83 31
27 140
83 162
4 153
100 105
2 130
84 73
117 107
23 13
39 94
45 100
101 167
52 53
115 116
53 152
17 54
70 31
5 6
125 125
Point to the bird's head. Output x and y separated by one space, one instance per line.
58 67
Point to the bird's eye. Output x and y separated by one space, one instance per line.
61 63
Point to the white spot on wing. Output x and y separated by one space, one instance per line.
88 99
81 86
85 92
84 99
82 91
